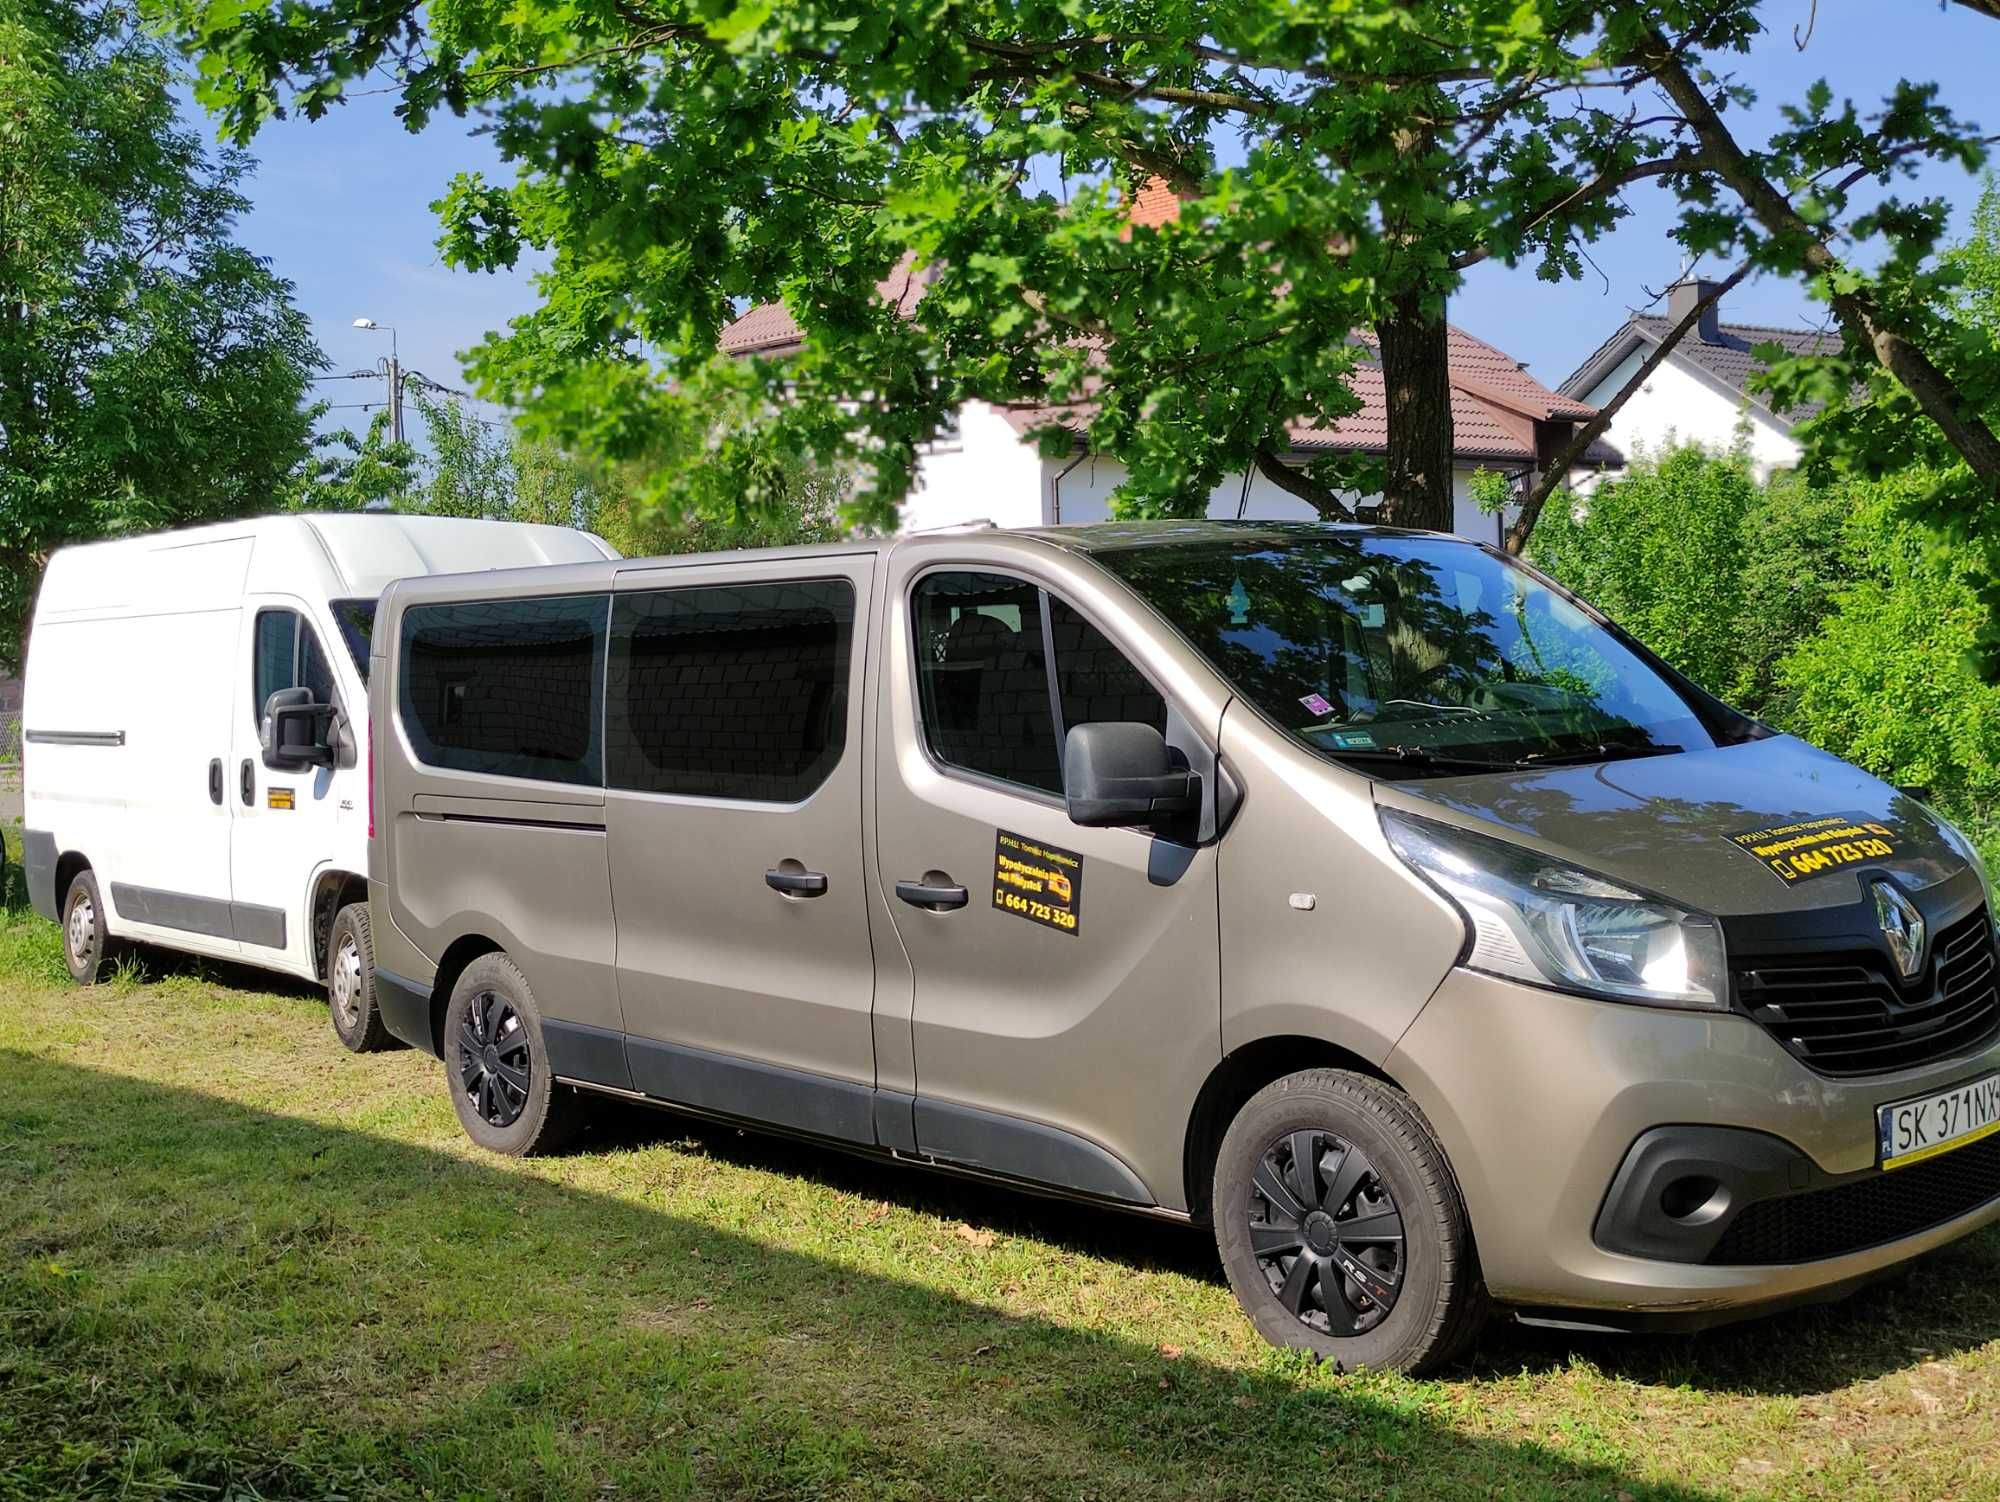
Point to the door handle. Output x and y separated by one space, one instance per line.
795 883
246 783
938 897
215 780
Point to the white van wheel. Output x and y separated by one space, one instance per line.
350 982
88 948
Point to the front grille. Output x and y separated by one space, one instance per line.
1885 1206
1846 1013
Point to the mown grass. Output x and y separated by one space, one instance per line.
235 1260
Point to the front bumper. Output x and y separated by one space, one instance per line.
1550 1107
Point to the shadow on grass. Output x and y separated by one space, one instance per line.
200 1295
1942 1305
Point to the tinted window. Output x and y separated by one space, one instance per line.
509 687
983 679
1382 647
287 655
736 692
356 619
1097 681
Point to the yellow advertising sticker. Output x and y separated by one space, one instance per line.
1038 882
278 797
1814 847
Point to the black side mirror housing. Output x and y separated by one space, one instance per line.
295 732
1116 772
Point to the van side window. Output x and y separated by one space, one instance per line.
512 688
983 677
287 655
736 691
1095 679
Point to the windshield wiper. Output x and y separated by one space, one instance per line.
1598 752
1423 756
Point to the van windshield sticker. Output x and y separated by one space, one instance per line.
1038 882
1814 847
1238 601
1351 740
1318 704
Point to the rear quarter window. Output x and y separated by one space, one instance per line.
511 688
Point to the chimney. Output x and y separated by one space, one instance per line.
1683 295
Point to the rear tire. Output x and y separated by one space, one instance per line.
496 1064
88 948
1341 1228
350 982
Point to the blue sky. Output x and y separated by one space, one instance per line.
342 208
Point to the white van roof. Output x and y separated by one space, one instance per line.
330 556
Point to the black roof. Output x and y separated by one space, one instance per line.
1727 359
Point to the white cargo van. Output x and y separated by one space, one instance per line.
195 736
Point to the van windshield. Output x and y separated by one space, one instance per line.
357 628
1419 654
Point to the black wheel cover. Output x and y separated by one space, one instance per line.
495 1063
1327 1233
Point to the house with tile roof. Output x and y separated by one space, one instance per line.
1700 394
990 465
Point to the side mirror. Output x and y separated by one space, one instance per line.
295 732
1122 773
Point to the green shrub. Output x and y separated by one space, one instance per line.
1823 611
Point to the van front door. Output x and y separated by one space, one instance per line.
285 824
733 811
1063 981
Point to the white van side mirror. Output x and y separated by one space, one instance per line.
295 732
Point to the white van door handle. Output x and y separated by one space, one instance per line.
215 780
246 783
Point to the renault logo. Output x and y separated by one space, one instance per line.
1902 926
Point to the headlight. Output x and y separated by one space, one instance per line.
1539 920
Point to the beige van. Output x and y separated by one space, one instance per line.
1357 892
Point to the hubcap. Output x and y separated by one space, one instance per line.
494 1061
82 927
347 981
1326 1232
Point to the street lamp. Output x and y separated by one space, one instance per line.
395 376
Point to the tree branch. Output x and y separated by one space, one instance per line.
1866 324
1605 182
1297 482
1581 440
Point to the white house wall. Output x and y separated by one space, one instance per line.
1087 489
986 474
1677 405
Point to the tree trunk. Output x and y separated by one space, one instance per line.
1416 380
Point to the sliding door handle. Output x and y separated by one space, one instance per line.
936 896
795 883
246 782
215 780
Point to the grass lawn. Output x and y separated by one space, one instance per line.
237 1261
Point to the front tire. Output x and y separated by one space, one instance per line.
88 948
1341 1228
496 1064
350 982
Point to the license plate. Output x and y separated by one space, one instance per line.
1912 1130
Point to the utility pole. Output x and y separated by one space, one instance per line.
394 370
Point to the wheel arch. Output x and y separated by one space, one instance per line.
460 953
332 890
68 864
1239 1075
